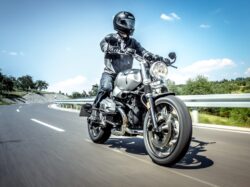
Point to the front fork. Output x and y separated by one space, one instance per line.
149 95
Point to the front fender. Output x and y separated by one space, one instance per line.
155 97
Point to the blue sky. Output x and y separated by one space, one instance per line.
58 41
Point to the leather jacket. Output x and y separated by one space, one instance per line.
115 63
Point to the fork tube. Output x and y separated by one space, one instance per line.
148 93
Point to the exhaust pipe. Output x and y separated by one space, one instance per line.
124 123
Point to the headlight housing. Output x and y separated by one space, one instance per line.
159 70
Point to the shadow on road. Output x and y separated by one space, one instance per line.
192 160
130 145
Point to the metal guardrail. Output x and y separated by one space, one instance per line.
194 101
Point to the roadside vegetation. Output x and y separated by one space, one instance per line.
12 87
225 116
201 86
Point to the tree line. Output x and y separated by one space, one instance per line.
202 86
23 83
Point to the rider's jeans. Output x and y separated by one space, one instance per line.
106 86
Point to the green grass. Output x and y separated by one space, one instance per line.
3 102
211 119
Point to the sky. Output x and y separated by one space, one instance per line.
59 41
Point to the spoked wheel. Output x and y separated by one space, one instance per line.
97 133
172 142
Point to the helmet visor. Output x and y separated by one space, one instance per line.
128 23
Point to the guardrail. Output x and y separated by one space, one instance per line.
192 101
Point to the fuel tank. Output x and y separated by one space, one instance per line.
127 81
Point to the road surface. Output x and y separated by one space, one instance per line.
40 146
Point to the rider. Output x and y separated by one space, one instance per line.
116 59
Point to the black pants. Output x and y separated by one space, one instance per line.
106 86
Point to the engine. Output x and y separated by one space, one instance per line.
135 114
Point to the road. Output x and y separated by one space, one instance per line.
40 146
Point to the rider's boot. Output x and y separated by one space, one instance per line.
95 115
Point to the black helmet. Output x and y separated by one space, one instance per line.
124 22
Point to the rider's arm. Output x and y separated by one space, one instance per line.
139 49
110 44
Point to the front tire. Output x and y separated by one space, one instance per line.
171 144
97 133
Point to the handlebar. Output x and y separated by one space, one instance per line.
167 61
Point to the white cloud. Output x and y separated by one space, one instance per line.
12 53
174 15
78 84
170 17
205 26
206 66
202 67
247 72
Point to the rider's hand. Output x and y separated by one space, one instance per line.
148 56
157 58
130 51
113 49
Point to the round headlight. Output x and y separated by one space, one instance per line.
159 70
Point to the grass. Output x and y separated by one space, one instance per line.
211 119
3 102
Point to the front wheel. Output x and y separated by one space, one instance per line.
169 145
97 133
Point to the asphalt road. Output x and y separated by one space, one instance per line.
32 153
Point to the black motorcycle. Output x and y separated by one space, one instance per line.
141 104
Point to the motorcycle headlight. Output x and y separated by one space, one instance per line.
159 70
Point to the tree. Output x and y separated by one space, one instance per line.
199 85
84 94
173 87
26 82
94 90
76 95
41 85
7 84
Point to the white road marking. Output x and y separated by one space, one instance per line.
218 129
17 110
152 164
47 125
88 140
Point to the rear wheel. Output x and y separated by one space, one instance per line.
97 133
170 144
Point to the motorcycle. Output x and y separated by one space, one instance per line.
141 104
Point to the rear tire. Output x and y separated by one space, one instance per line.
98 134
173 143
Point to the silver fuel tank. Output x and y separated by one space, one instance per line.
127 81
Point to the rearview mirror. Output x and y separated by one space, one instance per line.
172 55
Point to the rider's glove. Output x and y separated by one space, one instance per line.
113 49
157 58
148 56
130 51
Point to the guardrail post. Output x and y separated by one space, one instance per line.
195 115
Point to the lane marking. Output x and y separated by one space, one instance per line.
47 125
17 110
152 164
218 129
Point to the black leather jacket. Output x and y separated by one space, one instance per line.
115 63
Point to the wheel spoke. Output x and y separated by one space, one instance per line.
163 143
